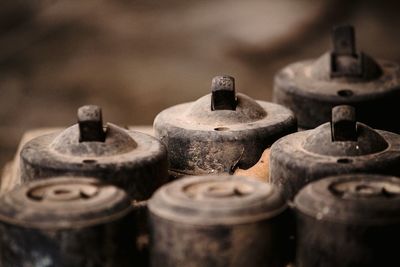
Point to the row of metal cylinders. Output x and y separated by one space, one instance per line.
95 195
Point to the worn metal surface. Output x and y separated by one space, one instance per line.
90 121
132 160
218 221
67 221
223 95
312 88
201 140
303 157
350 220
10 176
344 124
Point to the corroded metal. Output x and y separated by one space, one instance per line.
223 95
221 131
218 221
132 160
344 124
90 121
349 220
67 221
311 88
333 148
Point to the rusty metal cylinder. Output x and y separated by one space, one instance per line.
343 76
339 147
349 220
221 131
65 222
218 221
132 160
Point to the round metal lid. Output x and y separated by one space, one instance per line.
89 143
353 198
343 67
224 109
90 138
64 202
342 76
344 63
209 200
344 136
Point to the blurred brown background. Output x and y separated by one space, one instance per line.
135 58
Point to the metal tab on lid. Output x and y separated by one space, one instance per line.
223 95
344 59
344 124
90 124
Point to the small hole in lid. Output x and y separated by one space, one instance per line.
221 129
89 161
344 160
345 93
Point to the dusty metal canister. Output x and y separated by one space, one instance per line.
218 221
349 220
67 222
132 160
343 76
221 131
339 147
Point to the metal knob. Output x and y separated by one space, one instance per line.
223 96
90 124
344 124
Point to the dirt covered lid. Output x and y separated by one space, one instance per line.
344 136
221 199
225 108
353 198
90 138
64 202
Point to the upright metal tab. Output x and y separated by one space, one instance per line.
345 61
223 96
343 38
344 124
90 124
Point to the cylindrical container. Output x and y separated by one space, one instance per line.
67 222
221 131
340 147
343 76
131 160
349 220
218 221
